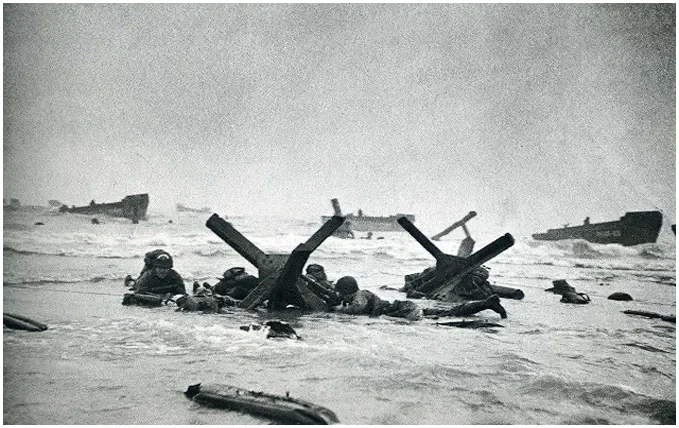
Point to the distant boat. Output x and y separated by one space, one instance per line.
183 208
132 206
364 223
638 227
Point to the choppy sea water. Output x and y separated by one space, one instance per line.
551 363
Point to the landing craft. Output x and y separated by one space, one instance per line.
639 227
366 223
132 206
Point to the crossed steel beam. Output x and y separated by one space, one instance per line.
279 274
451 269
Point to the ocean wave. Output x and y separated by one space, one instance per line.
607 398
38 281
211 252
580 248
72 252
18 251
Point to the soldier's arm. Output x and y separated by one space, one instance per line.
357 306
180 288
142 284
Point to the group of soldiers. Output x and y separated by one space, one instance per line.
159 280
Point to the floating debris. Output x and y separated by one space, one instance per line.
277 408
18 322
620 296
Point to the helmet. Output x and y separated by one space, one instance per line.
163 260
233 272
314 268
346 285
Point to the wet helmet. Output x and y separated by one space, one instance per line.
346 285
232 273
314 268
163 261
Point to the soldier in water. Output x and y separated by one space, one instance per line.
364 302
160 278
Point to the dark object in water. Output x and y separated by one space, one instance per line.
39 223
183 208
364 223
440 283
674 229
668 318
576 298
507 292
132 206
277 408
568 293
18 322
470 324
205 303
95 221
279 276
561 286
638 227
142 299
276 329
620 296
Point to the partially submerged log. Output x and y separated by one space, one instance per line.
18 322
668 318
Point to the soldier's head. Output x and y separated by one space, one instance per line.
346 286
162 265
317 272
233 273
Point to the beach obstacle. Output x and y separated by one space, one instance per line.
280 275
439 283
467 245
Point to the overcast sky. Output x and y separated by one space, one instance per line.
532 115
